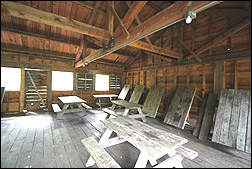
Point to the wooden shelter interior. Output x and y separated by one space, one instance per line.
135 42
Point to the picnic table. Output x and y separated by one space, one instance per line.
153 143
71 102
100 96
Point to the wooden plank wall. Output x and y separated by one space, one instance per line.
12 99
236 75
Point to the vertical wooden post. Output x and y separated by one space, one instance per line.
49 90
236 75
175 77
84 49
111 21
153 77
218 77
22 90
188 76
123 79
74 82
203 80
224 75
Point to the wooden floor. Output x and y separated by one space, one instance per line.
42 141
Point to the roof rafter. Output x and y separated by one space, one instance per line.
29 13
161 20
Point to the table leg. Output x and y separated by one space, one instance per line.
141 161
103 139
100 104
125 111
59 115
113 106
81 109
141 112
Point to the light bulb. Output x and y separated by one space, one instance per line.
188 19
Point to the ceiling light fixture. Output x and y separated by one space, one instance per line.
189 16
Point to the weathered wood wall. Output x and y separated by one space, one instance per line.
236 75
12 101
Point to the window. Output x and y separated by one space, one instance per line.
101 82
10 78
62 80
84 81
115 82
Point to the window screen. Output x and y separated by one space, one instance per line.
84 81
115 82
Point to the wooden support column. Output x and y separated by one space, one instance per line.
111 20
22 90
218 77
203 80
236 75
175 78
153 76
123 28
49 90
188 76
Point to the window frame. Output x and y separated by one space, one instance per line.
85 81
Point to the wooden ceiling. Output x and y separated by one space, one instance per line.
56 28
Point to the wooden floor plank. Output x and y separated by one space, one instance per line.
62 145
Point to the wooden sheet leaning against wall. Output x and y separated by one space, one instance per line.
236 74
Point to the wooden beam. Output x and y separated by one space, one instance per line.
39 36
222 36
159 56
123 28
22 90
161 20
29 13
36 51
157 49
191 52
43 37
94 12
139 23
80 49
131 14
167 41
111 20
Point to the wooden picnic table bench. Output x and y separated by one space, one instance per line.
153 143
70 102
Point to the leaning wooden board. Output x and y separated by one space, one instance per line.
180 106
152 101
233 119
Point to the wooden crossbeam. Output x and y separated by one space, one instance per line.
139 23
94 12
159 56
131 14
111 20
123 28
159 21
29 13
41 99
167 41
222 36
191 52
